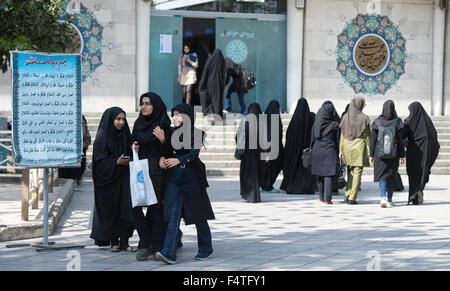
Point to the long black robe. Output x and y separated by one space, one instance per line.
112 212
251 165
297 179
422 149
212 84
272 169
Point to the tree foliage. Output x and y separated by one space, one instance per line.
32 25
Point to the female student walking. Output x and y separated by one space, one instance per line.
386 148
354 146
185 195
112 221
325 150
151 227
422 150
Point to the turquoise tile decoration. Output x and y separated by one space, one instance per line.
371 54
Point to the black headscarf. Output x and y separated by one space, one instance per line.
273 109
389 112
325 120
144 125
188 110
110 141
420 123
212 84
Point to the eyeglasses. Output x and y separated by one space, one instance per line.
145 104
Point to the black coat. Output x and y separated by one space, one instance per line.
234 71
324 156
184 181
386 168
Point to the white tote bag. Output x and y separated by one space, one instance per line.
141 186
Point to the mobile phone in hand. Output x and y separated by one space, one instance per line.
125 158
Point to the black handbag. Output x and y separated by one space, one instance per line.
341 182
307 162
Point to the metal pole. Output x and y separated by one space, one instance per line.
45 240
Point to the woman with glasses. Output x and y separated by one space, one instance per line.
152 117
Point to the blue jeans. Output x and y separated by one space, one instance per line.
172 234
387 185
241 102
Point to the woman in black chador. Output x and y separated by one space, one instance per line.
272 168
212 84
185 195
152 117
112 221
250 172
297 179
422 150
325 150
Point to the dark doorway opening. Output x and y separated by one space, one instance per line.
200 34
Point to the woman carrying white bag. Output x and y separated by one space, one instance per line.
147 142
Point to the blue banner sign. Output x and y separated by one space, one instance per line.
46 91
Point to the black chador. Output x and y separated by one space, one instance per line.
212 84
297 179
272 168
112 213
422 150
251 164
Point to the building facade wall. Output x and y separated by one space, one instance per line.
326 19
112 83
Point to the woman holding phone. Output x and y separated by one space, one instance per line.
112 222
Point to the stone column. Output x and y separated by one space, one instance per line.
142 48
294 38
437 89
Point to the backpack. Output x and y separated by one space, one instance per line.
248 79
386 142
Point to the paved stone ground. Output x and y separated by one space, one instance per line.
284 232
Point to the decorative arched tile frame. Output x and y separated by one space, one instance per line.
88 37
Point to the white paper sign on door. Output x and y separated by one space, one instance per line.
165 43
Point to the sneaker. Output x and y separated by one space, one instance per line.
203 257
383 203
390 204
162 258
328 202
144 254
225 111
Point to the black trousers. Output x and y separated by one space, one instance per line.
325 185
151 227
187 93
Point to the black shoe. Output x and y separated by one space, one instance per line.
352 202
345 199
144 254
